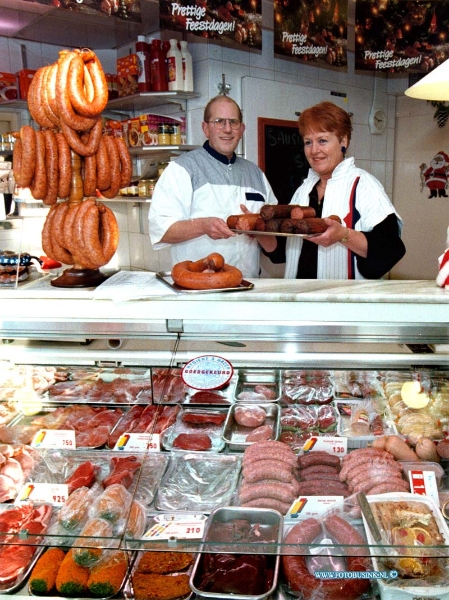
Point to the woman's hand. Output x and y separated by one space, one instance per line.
355 240
268 243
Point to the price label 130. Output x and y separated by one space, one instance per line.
332 444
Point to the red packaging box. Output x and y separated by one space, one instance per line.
127 74
24 77
8 87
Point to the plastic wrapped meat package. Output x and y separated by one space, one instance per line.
16 463
92 425
358 384
363 420
334 541
103 385
196 430
414 545
90 476
306 387
168 386
16 560
198 481
300 422
223 396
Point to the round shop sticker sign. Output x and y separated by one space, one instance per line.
207 372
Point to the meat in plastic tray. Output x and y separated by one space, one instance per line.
92 425
16 560
121 385
302 386
196 429
363 420
413 544
198 481
102 581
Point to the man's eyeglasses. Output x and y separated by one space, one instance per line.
220 123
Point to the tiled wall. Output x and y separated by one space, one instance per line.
211 61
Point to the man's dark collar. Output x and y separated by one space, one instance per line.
221 157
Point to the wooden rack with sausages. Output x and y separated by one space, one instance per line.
70 158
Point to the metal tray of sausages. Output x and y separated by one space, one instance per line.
166 277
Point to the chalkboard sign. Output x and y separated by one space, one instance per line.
281 156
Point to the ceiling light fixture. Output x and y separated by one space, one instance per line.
434 86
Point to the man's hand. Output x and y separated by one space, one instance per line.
268 243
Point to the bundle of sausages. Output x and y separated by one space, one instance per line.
373 471
295 569
269 476
71 95
319 475
281 218
85 234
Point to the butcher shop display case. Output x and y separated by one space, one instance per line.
108 455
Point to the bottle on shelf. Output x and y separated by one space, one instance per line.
158 74
165 47
143 58
174 66
187 68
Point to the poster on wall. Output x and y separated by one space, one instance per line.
313 31
122 9
401 36
238 22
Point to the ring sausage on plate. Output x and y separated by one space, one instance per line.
207 273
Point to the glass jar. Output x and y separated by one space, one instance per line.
160 168
163 134
175 136
151 183
143 186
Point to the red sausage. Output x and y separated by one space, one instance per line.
318 469
126 166
318 458
114 161
109 232
267 469
285 492
272 503
65 166
103 166
51 166
38 187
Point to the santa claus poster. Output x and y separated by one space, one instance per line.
313 31
399 36
434 176
236 22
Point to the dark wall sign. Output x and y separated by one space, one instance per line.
281 156
238 22
394 36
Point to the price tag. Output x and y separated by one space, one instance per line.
62 439
182 530
139 442
424 483
312 506
332 445
208 372
44 493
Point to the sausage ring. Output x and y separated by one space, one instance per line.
86 76
24 156
205 274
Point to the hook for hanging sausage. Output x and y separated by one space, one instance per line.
223 87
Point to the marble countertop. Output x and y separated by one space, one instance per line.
264 290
